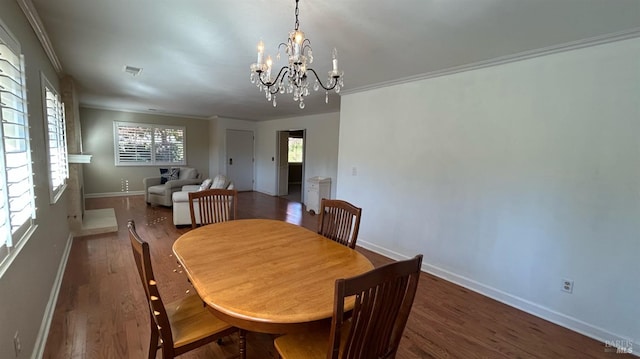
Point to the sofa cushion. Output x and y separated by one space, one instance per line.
169 174
188 173
206 184
159 189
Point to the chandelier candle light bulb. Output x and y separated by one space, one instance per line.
260 52
296 75
269 64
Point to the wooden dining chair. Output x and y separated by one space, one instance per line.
213 206
340 221
373 329
182 325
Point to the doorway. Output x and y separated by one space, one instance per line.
291 154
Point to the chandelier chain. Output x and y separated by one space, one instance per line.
297 24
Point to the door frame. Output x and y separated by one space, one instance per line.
279 155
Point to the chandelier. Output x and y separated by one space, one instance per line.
294 78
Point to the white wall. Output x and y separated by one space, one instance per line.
103 178
509 179
29 285
321 157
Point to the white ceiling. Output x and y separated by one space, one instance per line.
196 54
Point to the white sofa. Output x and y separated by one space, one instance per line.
180 199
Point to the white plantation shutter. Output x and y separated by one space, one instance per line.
56 142
133 144
17 206
144 144
169 145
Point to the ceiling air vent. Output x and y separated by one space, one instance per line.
133 71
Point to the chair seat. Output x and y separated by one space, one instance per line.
310 344
191 321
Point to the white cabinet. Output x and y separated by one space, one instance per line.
317 189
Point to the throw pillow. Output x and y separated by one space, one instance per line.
164 175
174 173
169 174
219 181
206 184
188 173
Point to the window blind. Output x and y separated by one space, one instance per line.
142 144
17 206
56 142
134 144
169 145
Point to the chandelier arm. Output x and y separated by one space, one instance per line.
335 80
277 79
269 84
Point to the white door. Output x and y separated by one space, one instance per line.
283 163
240 159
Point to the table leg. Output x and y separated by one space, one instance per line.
242 343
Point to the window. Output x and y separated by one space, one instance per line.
56 141
295 149
17 207
139 144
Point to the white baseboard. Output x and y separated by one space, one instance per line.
266 192
527 306
113 194
43 333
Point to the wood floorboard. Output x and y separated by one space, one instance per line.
101 310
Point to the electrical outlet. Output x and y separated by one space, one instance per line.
567 285
17 346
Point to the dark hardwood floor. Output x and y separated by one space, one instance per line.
101 310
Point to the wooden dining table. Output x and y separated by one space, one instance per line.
265 275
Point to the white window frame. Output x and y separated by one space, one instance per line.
148 157
17 198
55 131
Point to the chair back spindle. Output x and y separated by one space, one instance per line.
212 206
383 300
339 221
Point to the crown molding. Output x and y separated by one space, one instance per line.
37 25
574 45
144 112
